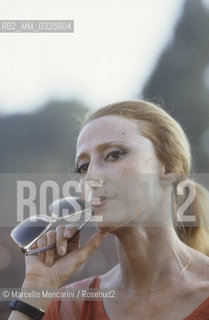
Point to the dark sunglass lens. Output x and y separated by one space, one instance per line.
29 229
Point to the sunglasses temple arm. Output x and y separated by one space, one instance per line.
34 251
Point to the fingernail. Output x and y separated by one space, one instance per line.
67 234
61 250
49 260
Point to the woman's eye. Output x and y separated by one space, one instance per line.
114 155
111 156
82 168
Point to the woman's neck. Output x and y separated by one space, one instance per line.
150 258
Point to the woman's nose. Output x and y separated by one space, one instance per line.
95 183
94 176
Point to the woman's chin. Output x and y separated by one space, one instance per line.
107 229
110 226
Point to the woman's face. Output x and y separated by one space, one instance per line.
119 171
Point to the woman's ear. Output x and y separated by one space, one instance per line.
166 178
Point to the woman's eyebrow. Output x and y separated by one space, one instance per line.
101 147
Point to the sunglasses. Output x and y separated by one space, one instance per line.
75 211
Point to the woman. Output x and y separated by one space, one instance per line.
135 160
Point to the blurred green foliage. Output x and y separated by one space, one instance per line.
181 80
43 141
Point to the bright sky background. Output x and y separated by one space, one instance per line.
108 58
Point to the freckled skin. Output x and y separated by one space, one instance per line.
149 256
125 178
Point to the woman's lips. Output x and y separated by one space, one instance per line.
99 201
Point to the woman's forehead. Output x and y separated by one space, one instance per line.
111 126
103 130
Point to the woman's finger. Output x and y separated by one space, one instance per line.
66 266
93 243
64 233
61 243
79 256
70 231
50 254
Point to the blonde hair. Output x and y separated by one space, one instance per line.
173 150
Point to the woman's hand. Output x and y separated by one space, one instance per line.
51 268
